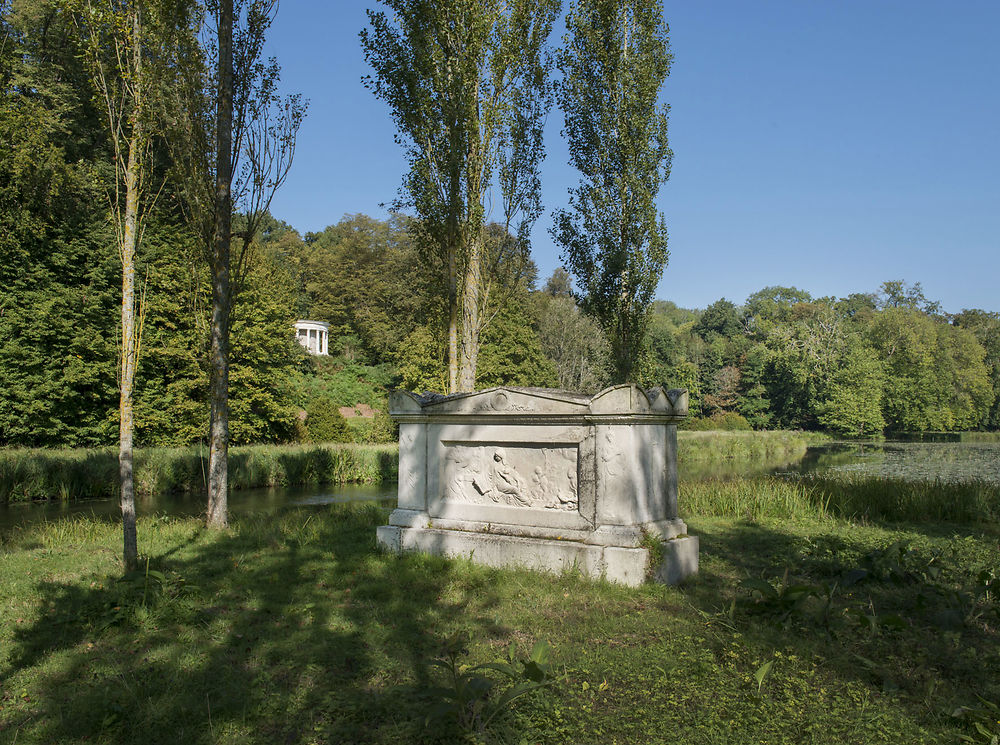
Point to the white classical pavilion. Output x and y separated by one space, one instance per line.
314 336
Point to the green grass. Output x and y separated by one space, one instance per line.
27 474
295 629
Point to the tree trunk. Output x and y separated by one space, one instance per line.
130 338
471 320
218 458
452 323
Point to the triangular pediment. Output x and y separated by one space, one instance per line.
510 401
501 401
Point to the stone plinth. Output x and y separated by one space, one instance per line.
543 479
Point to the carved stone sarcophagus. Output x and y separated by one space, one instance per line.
544 479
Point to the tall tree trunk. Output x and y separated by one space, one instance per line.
130 337
452 323
471 321
218 457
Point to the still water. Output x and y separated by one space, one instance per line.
242 501
945 461
911 461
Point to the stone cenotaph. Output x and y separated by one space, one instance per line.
544 479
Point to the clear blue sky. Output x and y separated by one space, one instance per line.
825 144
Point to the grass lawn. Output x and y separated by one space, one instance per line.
295 629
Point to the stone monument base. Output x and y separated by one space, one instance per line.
544 479
624 565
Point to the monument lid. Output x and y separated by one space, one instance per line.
618 400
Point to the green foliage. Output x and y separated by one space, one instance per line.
936 374
324 422
614 63
369 281
856 497
721 318
717 445
571 339
466 82
475 701
853 400
857 366
59 268
986 327
421 361
384 429
774 304
722 421
512 355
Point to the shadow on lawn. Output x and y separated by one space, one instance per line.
283 630
294 629
901 613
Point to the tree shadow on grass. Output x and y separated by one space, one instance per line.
895 611
290 629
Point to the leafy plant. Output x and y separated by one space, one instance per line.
985 720
473 699
762 674
897 563
781 600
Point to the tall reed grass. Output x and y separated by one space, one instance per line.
979 437
27 474
750 499
852 496
719 445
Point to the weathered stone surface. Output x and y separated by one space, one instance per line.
541 478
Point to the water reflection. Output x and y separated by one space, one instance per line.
243 501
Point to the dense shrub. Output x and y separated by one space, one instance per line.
325 424
726 421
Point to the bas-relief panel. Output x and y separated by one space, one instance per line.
536 477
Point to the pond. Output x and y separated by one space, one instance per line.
947 461
912 461
242 501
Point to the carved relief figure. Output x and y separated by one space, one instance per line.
494 475
507 485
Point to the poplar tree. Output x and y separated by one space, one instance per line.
467 84
614 62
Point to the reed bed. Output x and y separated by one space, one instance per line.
852 496
718 445
979 437
867 497
34 474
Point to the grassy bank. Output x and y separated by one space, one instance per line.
698 447
294 629
74 474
